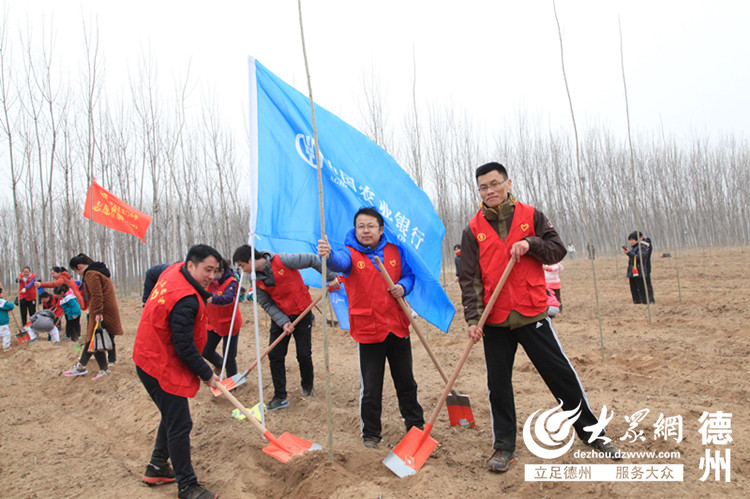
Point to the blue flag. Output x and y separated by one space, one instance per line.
356 173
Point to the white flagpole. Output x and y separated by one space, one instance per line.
253 138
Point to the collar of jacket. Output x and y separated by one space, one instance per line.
502 212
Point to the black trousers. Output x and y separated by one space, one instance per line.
276 357
650 289
73 328
211 355
637 290
28 308
101 358
173 434
543 349
372 357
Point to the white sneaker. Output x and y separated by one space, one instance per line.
76 370
100 374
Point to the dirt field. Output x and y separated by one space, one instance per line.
74 437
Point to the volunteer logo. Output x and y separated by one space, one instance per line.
552 431
360 265
481 236
524 227
281 271
393 263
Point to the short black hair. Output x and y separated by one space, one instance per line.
44 295
61 289
493 166
26 267
371 211
635 235
80 259
58 269
200 252
244 254
456 246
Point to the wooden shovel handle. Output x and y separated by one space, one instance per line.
282 335
269 436
496 293
242 408
405 308
467 350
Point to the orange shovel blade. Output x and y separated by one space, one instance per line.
287 446
231 383
459 411
411 453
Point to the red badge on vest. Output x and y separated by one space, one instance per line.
481 236
360 265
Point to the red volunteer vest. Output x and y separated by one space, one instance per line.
220 316
525 289
373 312
54 303
289 293
153 350
29 294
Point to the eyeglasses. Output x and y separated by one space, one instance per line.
494 185
367 226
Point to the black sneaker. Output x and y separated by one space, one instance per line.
608 448
371 442
196 491
275 404
501 460
156 476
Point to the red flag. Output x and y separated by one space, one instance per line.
112 212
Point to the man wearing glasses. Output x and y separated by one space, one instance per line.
503 229
377 323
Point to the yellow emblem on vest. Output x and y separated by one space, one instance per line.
481 236
360 265
393 263
281 271
524 227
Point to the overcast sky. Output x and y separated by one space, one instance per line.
687 63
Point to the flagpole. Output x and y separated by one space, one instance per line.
323 270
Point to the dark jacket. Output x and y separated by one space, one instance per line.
152 275
182 322
634 258
545 246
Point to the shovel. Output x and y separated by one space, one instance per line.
232 382
412 452
283 448
459 407
243 377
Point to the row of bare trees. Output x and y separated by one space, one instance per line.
177 163
180 163
689 192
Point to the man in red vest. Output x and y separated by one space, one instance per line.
167 355
377 322
503 229
284 296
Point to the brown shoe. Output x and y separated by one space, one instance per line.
501 460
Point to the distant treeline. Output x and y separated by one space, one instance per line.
175 159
